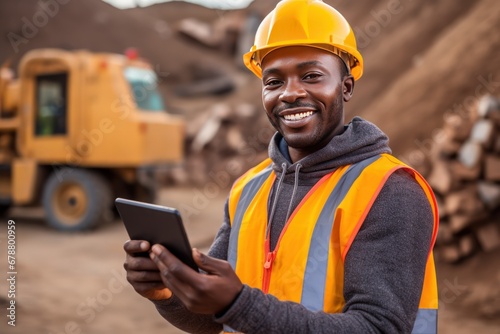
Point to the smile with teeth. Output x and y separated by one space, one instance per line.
299 116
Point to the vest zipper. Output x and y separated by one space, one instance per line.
268 267
271 256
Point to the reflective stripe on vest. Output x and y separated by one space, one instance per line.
246 197
426 321
318 236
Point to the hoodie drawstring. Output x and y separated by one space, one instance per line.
271 255
278 191
295 186
275 199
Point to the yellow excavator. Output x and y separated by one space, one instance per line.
78 129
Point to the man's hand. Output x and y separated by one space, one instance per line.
208 293
142 272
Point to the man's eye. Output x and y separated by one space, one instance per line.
311 76
273 82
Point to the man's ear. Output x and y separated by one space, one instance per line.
347 87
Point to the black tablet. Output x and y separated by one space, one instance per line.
158 225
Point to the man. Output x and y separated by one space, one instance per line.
331 234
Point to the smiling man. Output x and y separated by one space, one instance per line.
331 233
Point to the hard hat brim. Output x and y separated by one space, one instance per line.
253 58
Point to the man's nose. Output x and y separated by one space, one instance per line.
292 91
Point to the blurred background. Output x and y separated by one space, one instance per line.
150 100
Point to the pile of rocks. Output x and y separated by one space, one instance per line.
223 142
463 168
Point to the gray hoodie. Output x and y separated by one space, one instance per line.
384 267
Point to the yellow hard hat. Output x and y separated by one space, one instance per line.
309 23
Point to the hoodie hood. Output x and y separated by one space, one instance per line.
359 141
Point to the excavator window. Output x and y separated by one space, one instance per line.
144 85
51 104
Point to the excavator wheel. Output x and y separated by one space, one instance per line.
76 199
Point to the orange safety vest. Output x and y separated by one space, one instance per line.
307 264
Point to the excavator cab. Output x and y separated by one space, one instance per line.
88 127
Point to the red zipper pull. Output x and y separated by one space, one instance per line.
269 260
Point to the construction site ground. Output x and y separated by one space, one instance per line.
75 283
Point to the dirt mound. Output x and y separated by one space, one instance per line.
448 75
97 26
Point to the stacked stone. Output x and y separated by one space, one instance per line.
463 168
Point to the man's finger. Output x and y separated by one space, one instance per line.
139 263
136 246
165 260
209 264
180 287
170 266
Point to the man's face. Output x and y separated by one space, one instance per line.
303 94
